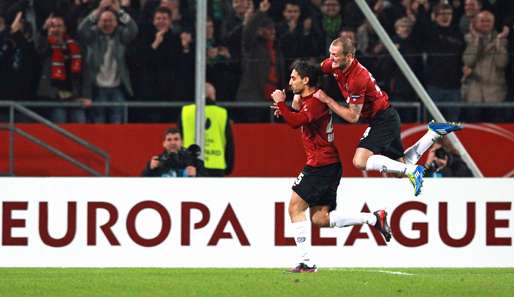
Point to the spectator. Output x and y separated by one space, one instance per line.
219 145
313 8
330 23
399 87
106 41
61 71
179 17
220 69
263 62
162 59
19 65
232 37
471 10
444 45
444 161
174 161
485 62
297 37
504 14
35 12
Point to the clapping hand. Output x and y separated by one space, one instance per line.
17 24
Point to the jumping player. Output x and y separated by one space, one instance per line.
380 147
316 186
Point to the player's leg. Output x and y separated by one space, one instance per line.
323 217
381 146
301 230
365 159
435 132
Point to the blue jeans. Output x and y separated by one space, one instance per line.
114 115
68 115
446 95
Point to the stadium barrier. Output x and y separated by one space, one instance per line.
261 150
243 222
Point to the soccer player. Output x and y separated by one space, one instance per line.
380 147
316 186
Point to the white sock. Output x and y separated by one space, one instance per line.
385 164
414 153
303 240
338 220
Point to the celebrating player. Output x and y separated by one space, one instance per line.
316 186
380 147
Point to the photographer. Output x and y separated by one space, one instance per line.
444 161
174 161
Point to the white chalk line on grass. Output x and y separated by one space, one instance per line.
394 272
375 270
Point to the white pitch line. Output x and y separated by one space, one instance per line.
393 272
373 270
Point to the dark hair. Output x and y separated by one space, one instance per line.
164 10
307 69
442 6
172 131
293 2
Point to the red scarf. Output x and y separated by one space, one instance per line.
58 67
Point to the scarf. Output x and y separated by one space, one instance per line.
332 25
58 56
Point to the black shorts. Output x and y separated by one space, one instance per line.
382 136
318 185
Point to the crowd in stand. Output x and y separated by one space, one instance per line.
90 51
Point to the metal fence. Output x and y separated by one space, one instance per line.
415 110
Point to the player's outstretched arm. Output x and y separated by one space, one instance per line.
350 114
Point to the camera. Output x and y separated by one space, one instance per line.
432 166
169 160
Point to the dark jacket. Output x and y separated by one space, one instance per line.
455 167
160 67
399 87
95 43
444 47
171 165
257 62
19 67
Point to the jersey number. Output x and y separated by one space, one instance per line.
298 179
375 82
365 133
330 129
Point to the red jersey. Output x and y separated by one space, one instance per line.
315 120
358 86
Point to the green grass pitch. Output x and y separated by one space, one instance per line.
255 282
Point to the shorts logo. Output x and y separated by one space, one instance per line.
366 133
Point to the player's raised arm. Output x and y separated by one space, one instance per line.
293 119
350 114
